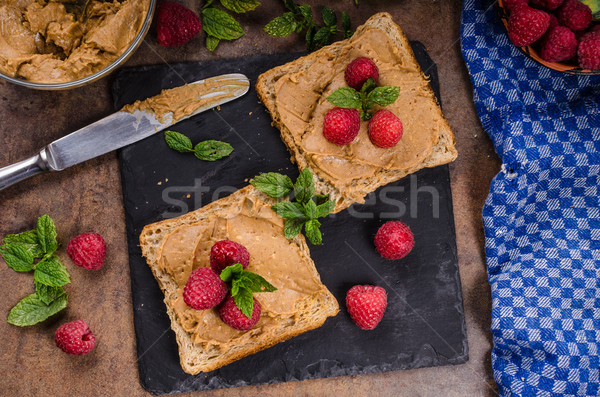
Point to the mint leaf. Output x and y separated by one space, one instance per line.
383 96
46 233
244 301
211 42
304 188
240 6
212 150
312 231
281 26
290 5
229 272
325 209
306 13
28 241
320 198
310 209
292 227
51 272
346 28
346 97
257 283
286 210
219 24
329 17
368 86
321 38
310 33
32 310
17 258
48 294
273 184
179 142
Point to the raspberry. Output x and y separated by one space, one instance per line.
87 250
547 4
553 22
510 4
341 126
358 72
575 15
366 305
233 316
75 338
176 25
385 129
526 25
226 253
394 240
204 289
588 51
559 44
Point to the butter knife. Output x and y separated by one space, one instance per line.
116 131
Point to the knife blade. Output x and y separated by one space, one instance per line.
118 130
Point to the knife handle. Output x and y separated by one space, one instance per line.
23 169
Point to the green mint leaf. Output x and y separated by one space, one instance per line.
179 142
32 310
346 97
321 38
28 241
288 210
240 6
212 150
320 198
281 26
244 301
212 42
292 227
310 208
235 289
325 209
368 86
384 96
48 294
46 233
17 258
304 188
273 184
346 27
312 231
219 24
290 5
229 272
329 17
257 283
310 34
306 13
51 272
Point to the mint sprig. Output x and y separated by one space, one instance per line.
304 211
243 285
19 252
363 100
219 24
209 150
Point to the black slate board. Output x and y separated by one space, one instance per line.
424 323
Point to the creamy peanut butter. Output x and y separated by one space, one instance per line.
41 41
301 104
253 224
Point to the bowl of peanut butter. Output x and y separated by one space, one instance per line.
61 44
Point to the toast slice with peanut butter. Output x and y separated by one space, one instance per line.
295 95
174 248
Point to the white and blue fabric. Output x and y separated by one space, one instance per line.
542 215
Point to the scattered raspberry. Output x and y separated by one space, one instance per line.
176 25
366 305
87 250
588 51
204 289
233 316
341 126
394 240
358 72
510 4
226 253
385 129
547 4
559 44
575 15
553 22
75 338
526 25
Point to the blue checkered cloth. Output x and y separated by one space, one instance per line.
542 216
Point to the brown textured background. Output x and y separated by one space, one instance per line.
87 198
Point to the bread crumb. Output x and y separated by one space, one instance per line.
250 114
159 183
219 108
188 196
166 179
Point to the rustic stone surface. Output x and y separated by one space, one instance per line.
87 197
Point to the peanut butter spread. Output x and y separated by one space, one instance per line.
41 41
253 224
301 104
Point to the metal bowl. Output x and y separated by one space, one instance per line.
93 77
569 67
